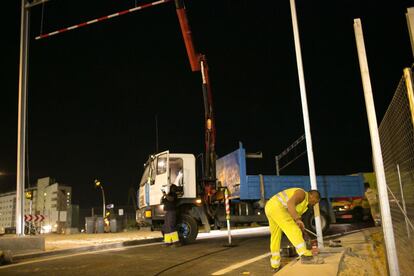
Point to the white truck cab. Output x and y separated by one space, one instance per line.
162 170
165 169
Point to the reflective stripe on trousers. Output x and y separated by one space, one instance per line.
301 248
275 260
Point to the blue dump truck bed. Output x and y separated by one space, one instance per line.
231 173
330 186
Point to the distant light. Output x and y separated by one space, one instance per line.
44 194
97 182
68 194
198 201
46 229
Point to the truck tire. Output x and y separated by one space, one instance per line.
187 229
309 221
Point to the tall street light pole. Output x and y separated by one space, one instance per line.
98 184
306 121
21 127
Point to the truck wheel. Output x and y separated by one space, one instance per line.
187 229
309 221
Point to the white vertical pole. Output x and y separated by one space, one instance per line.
403 201
306 122
226 197
377 154
21 129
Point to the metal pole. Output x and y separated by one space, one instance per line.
277 164
21 129
410 94
376 150
156 133
30 212
306 121
226 197
403 201
103 202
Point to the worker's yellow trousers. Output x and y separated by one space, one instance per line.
281 221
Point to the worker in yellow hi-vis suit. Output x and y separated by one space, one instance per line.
284 211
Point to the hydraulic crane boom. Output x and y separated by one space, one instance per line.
198 62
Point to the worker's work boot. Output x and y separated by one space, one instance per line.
311 260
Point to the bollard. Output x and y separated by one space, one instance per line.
226 200
226 197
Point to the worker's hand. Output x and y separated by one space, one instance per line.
300 223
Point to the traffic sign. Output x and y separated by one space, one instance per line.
34 218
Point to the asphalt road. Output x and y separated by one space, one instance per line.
207 256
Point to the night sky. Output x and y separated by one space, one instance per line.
94 93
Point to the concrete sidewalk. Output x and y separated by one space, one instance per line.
74 243
362 253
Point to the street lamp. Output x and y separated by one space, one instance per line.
98 184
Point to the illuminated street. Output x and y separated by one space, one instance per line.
249 254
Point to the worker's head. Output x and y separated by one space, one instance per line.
366 185
314 197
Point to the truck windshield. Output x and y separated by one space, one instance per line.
145 175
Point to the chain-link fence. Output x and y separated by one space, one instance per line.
397 142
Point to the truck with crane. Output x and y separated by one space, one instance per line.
248 193
202 181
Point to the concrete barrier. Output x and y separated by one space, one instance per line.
22 244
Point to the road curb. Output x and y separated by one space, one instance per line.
19 257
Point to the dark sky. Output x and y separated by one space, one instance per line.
94 93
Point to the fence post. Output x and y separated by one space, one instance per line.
376 151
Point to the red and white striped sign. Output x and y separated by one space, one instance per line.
102 18
34 218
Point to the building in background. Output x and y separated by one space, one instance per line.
49 198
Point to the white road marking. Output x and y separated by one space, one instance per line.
77 254
238 265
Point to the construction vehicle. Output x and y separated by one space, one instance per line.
201 192
248 193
